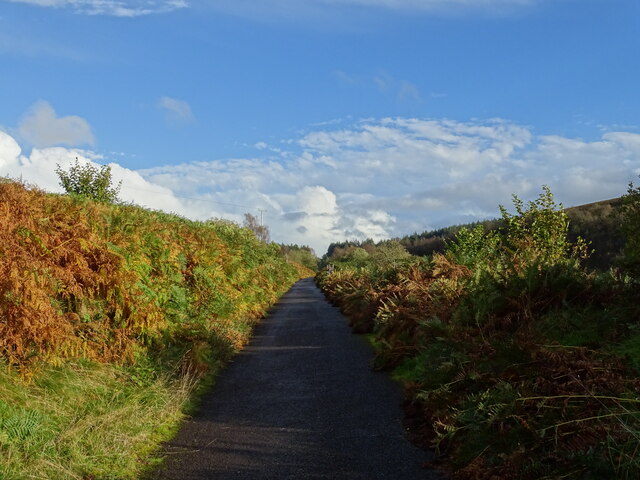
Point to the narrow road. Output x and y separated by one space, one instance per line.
299 402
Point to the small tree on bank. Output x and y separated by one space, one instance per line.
261 231
86 180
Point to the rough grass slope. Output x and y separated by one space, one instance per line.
107 314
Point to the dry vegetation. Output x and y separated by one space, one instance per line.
132 304
518 361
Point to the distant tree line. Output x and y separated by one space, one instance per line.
303 255
597 223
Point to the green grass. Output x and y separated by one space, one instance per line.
85 420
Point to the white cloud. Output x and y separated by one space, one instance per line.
374 178
42 128
38 168
316 216
388 177
176 110
9 149
115 8
414 146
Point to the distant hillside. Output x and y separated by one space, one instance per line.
432 241
596 222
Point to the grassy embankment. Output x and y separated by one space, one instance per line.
518 360
110 317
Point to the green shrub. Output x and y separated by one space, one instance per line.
89 181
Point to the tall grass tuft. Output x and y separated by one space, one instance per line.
85 420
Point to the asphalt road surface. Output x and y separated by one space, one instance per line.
299 402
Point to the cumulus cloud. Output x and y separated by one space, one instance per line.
9 149
323 217
41 127
377 178
115 8
389 177
409 149
38 168
176 110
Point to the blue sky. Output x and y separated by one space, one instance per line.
340 118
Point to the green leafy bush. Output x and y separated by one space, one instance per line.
89 181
